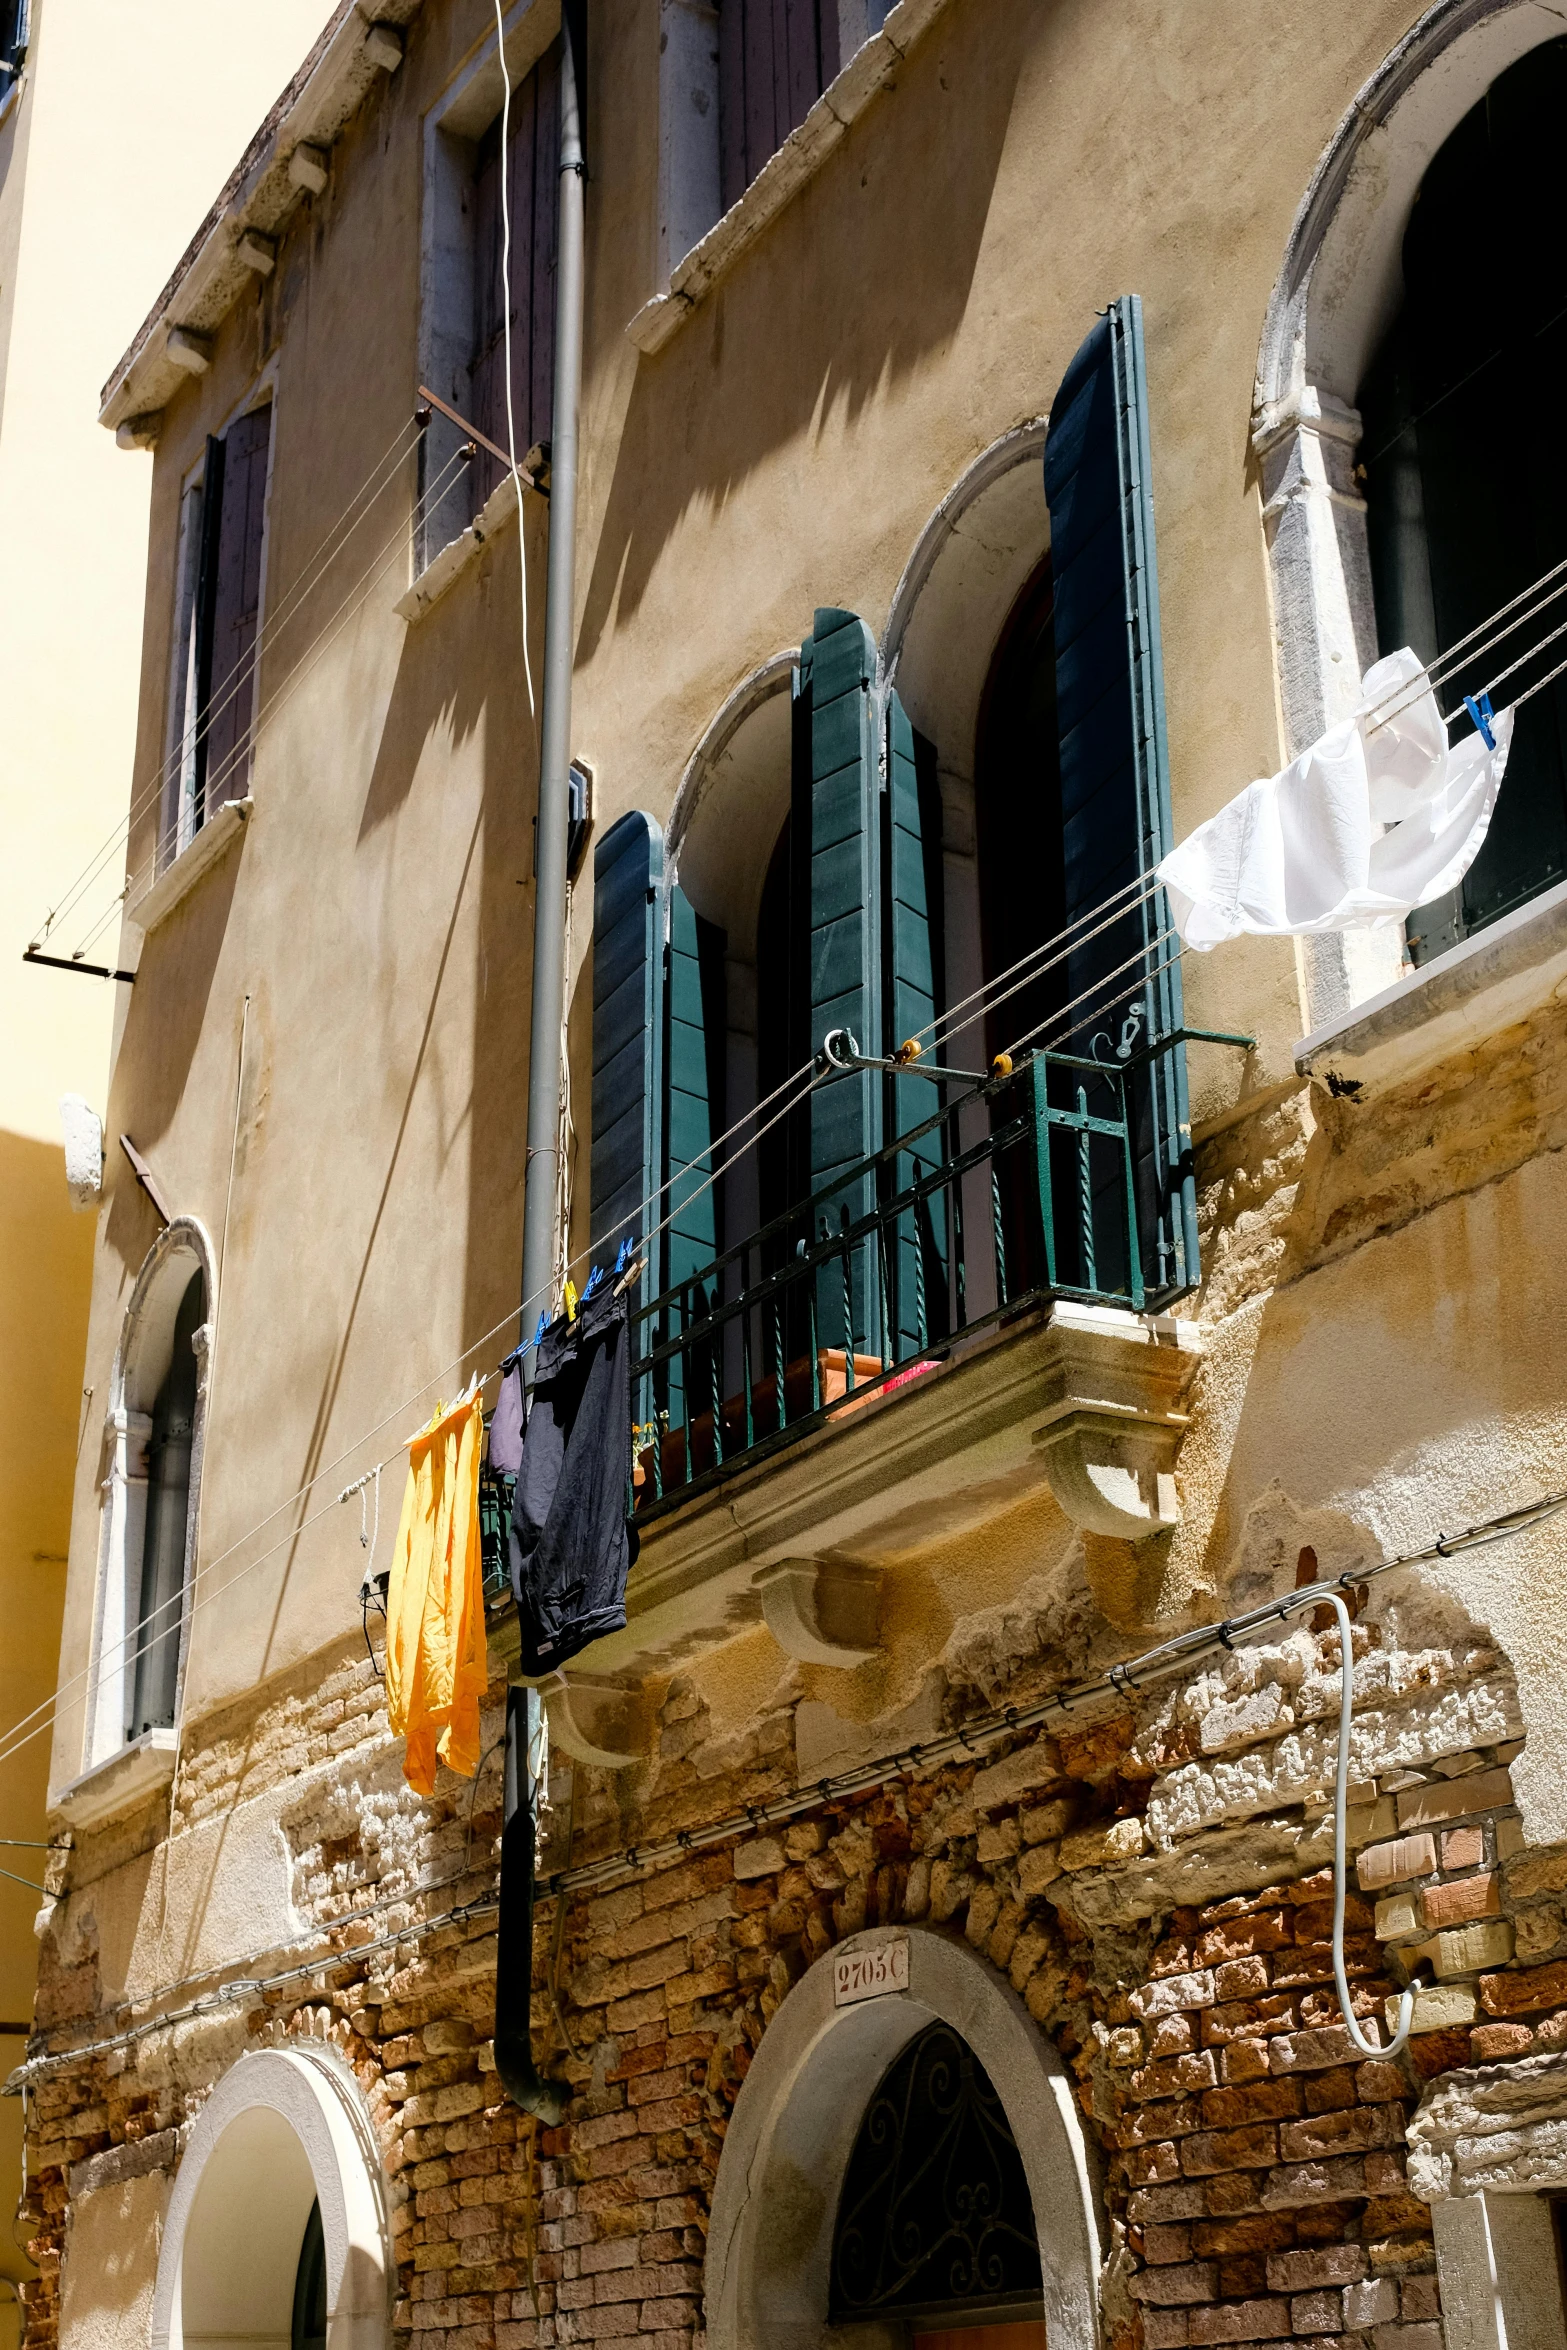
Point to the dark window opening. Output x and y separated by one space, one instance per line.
1467 504
935 2211
220 624
1017 812
307 2329
532 190
14 16
156 1643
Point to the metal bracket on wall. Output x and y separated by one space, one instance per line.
146 1178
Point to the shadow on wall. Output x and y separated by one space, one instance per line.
110 2265
1447 1401
164 1021
888 284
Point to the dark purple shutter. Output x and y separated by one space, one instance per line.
775 58
533 183
233 520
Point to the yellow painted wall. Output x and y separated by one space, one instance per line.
125 127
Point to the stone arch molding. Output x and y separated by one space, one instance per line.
182 1248
794 2125
282 2129
1334 298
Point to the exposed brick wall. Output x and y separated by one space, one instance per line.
1255 2164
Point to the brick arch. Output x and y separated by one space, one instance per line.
795 2121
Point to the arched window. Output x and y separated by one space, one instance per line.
152 1446
935 2213
1466 502
154 1645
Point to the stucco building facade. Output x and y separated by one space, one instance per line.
75 82
974 459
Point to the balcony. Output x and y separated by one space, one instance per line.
978 1311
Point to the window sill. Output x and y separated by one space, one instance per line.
121 1783
868 71
445 569
1451 1006
179 879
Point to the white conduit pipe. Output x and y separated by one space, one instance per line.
1406 2003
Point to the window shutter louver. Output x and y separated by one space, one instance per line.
912 926
837 820
626 1164
694 1036
206 611
236 607
1115 794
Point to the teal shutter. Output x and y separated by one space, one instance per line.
627 1161
912 932
694 1039
1115 784
693 1079
837 820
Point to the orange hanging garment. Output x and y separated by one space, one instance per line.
436 1660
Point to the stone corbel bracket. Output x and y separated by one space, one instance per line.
1115 1389
595 1721
822 1611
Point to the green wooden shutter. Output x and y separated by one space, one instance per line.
912 936
693 1081
206 613
837 821
627 1162
1115 785
694 1039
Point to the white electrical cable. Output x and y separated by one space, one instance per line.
511 421
1406 2003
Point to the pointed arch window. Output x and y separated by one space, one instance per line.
935 2211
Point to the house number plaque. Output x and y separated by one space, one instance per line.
870 1974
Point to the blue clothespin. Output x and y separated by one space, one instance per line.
543 1325
1481 712
628 1249
595 1280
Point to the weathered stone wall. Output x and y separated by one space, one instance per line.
1155 1886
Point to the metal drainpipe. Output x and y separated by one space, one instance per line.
519 2075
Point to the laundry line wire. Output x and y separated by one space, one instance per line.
386 464
797 1087
967 1740
325 637
331 629
333 543
1483 638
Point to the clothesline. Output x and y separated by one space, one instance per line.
798 1085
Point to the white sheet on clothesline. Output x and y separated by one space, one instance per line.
1305 851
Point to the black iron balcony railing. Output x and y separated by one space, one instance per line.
1029 1186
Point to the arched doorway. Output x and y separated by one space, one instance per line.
934 2220
810 2144
276 2233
